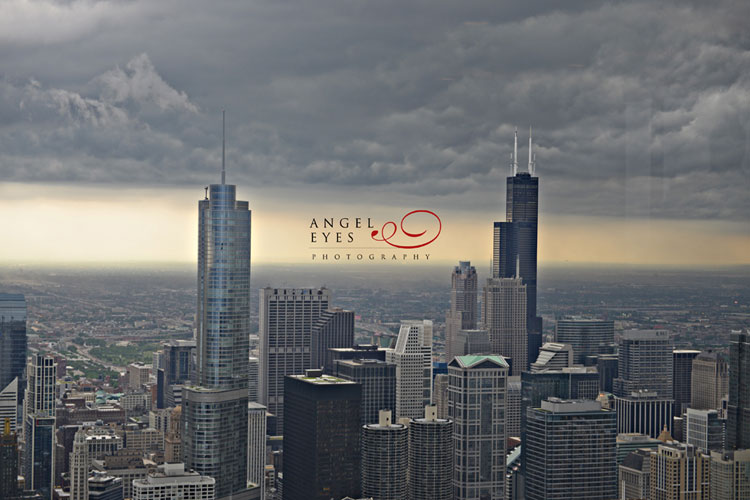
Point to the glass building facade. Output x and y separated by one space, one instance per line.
12 337
215 412
738 409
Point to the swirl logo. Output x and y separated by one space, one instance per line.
390 228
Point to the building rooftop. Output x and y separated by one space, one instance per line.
557 405
471 360
319 378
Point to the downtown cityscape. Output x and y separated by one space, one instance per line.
445 250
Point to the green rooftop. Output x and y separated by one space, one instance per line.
473 359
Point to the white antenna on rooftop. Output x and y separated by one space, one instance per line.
515 152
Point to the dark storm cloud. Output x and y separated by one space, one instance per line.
639 108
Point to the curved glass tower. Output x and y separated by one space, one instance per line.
215 411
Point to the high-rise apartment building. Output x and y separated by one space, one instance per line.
256 445
334 329
730 475
214 413
679 471
430 457
322 437
738 407
504 316
173 481
705 430
463 312
587 337
41 373
12 337
477 391
287 317
378 381
709 381
571 451
385 461
682 369
413 359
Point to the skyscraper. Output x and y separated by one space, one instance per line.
256 445
12 337
738 409
709 381
334 329
440 394
8 461
513 407
80 463
553 356
515 241
504 316
463 312
322 437
571 451
682 378
287 317
430 457
413 359
9 405
477 405
378 381
39 461
644 363
178 369
705 430
214 414
588 337
385 460
41 374
644 412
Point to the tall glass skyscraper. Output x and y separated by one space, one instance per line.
215 412
12 338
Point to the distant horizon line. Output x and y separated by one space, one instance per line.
360 265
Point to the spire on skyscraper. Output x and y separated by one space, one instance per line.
223 135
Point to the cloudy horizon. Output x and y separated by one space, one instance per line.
110 123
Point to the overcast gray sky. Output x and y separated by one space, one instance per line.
641 110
